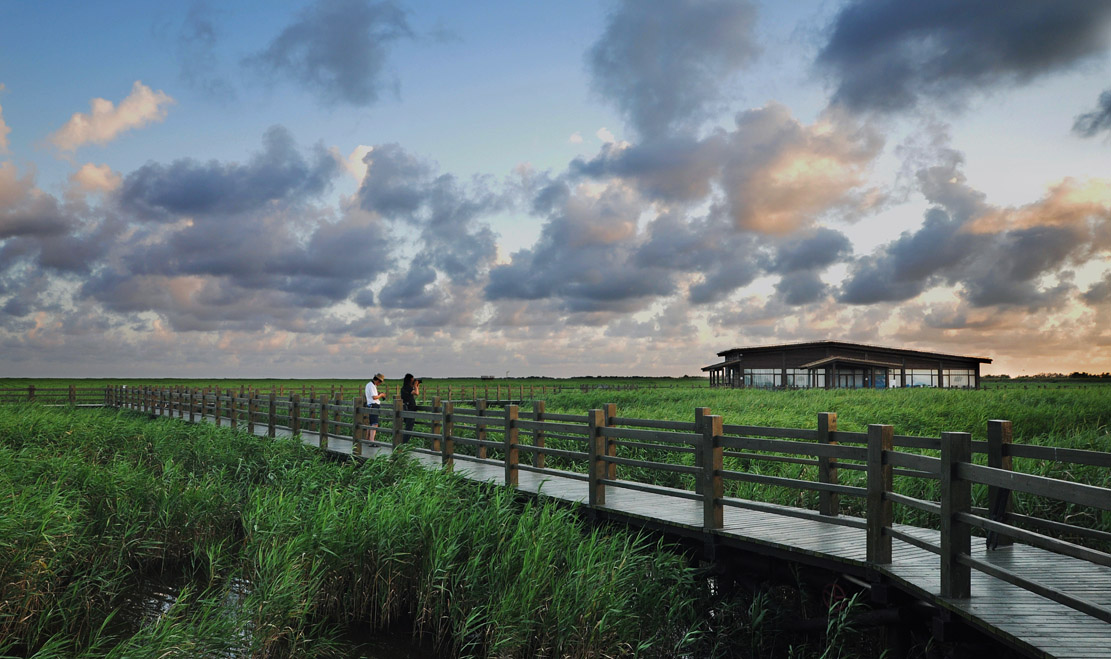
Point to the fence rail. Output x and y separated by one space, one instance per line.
696 460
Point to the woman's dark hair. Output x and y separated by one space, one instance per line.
408 378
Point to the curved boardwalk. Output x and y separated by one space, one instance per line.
1030 623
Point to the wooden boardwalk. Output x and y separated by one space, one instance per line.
1032 624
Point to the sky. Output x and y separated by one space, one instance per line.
333 188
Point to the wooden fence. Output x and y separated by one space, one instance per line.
700 459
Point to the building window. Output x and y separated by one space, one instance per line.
763 378
958 378
920 377
894 379
803 378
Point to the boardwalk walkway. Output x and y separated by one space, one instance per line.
1032 624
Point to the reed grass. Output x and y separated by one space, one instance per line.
279 548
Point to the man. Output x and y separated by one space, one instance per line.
373 399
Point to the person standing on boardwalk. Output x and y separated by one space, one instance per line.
410 389
373 399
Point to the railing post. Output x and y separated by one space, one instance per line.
480 427
538 438
829 503
272 420
956 497
511 451
252 410
295 414
999 498
711 461
437 424
611 444
72 395
233 408
447 427
30 393
596 493
880 480
323 422
398 422
192 403
360 423
216 405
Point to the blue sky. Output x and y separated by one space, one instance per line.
330 188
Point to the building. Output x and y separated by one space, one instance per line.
840 365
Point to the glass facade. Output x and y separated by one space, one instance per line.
763 378
958 378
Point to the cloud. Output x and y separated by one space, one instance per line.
1092 123
95 178
1001 257
890 55
197 40
663 63
278 174
4 128
338 48
106 121
585 257
453 238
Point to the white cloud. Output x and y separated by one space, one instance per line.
354 164
576 138
95 178
106 120
605 135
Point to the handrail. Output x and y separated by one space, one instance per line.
700 450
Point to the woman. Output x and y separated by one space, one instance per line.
410 389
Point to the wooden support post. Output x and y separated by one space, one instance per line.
711 460
30 393
446 428
880 479
538 438
480 427
252 410
295 414
192 404
360 423
399 436
323 422
597 468
233 409
72 395
437 425
956 497
216 405
999 499
828 502
272 417
511 451
611 444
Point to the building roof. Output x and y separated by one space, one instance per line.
851 360
843 344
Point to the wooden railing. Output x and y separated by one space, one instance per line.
696 460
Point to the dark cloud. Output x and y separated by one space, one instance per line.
677 168
816 249
278 174
413 290
891 55
1092 123
799 288
453 238
338 48
1098 293
197 40
994 257
663 63
585 258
